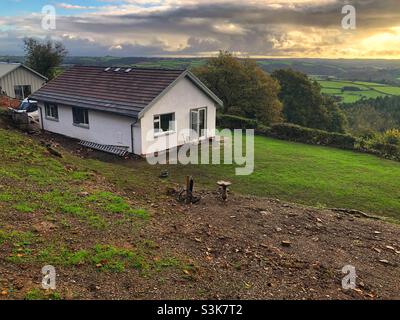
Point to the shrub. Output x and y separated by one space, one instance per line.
263 130
227 121
385 148
391 137
381 145
37 294
297 133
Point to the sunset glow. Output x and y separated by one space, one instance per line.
257 28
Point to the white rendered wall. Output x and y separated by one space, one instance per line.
104 128
183 97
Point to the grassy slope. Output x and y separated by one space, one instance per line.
48 190
313 175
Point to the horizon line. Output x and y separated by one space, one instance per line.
212 56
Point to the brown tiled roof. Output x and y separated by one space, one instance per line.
125 91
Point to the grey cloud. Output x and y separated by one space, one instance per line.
265 29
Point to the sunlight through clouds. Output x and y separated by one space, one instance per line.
262 28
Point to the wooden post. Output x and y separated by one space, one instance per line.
188 189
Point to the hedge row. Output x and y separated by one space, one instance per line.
295 133
236 122
385 150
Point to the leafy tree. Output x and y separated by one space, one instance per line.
44 56
303 103
245 89
336 120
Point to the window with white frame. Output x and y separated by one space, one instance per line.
164 123
198 122
51 111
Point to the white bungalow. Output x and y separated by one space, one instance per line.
130 109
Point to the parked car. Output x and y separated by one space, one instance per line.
30 107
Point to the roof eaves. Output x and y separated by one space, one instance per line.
17 65
194 79
46 97
119 111
35 72
202 86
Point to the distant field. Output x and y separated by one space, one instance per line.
366 90
389 90
172 64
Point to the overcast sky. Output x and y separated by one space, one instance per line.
266 28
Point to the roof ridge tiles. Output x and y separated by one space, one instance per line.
123 68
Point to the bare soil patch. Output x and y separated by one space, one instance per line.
249 248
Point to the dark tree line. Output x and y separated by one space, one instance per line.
366 117
305 105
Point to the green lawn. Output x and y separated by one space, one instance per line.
313 175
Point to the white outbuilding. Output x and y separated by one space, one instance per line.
18 81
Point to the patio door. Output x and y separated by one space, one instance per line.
198 120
